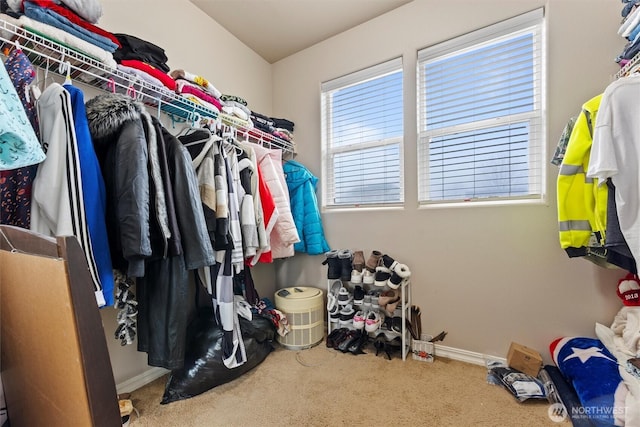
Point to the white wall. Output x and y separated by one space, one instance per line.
487 275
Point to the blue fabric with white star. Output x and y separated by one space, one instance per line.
594 373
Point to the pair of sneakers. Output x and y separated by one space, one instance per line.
368 320
371 300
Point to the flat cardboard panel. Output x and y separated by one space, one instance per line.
55 363
41 359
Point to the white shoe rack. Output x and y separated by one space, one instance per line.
402 311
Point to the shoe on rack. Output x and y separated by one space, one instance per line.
392 346
366 302
396 324
399 276
379 342
344 297
375 296
372 322
358 261
358 295
331 338
335 337
368 278
358 344
345 257
334 268
348 340
334 314
359 319
373 261
346 315
332 296
390 308
356 276
387 297
389 262
395 281
341 336
382 276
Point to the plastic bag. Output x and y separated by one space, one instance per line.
520 385
203 367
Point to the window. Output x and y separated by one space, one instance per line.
362 135
480 114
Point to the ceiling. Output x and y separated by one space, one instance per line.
276 29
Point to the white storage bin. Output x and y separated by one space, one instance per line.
304 308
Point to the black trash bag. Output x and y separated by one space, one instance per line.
203 367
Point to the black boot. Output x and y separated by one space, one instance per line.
334 269
345 258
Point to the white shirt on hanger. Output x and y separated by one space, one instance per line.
615 153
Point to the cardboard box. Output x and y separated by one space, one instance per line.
524 359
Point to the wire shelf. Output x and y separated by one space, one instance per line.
55 57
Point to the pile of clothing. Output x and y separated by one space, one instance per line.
143 63
280 128
69 22
630 30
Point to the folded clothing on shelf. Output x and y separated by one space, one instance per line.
199 80
52 18
133 47
74 18
153 71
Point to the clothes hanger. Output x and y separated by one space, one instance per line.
67 79
131 90
111 85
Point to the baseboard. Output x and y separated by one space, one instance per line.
441 351
465 355
140 380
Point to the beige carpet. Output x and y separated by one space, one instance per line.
323 387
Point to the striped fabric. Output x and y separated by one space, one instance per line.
58 200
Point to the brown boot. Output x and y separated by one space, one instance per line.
373 261
358 261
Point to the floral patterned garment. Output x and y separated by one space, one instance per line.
15 184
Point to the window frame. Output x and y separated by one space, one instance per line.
328 151
531 22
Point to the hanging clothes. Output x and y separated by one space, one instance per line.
120 127
284 234
249 167
304 207
16 184
93 186
58 198
19 145
248 212
577 196
614 154
119 139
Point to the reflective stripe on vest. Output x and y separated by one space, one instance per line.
574 225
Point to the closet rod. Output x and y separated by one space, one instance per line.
45 53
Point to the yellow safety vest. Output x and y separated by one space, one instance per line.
582 203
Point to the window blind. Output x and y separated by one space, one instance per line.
481 122
362 122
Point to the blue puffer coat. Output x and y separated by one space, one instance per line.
304 207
